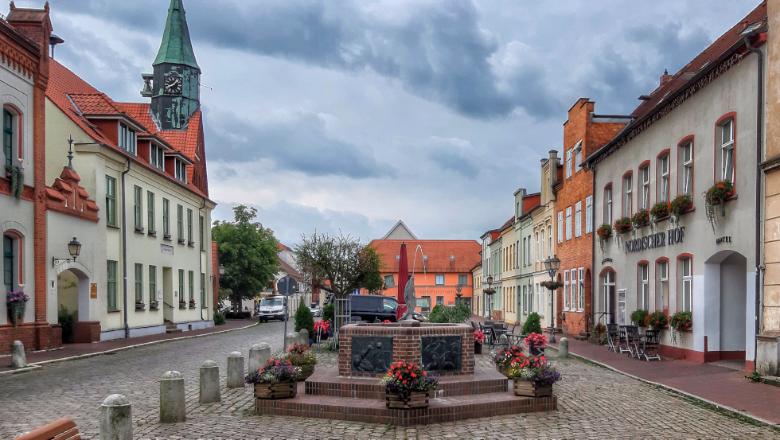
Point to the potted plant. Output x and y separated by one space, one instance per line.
504 357
680 205
660 211
682 321
479 339
639 317
717 194
300 356
407 386
657 320
536 343
16 300
641 218
322 329
604 231
623 225
532 376
275 380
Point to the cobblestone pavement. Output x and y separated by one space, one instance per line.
593 402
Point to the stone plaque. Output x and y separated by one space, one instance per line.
372 354
441 353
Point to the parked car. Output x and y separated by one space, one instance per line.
272 307
373 308
315 310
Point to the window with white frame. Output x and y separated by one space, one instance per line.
686 167
581 289
643 290
663 178
568 223
727 151
628 195
588 214
180 170
574 290
608 293
127 139
157 156
569 163
644 175
560 226
578 219
566 302
661 285
608 205
578 156
686 283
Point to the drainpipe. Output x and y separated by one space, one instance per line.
124 249
759 197
593 278
200 254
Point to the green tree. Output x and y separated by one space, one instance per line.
304 319
532 324
248 252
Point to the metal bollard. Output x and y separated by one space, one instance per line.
258 355
172 409
235 370
116 418
209 382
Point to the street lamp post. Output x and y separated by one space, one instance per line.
552 265
489 291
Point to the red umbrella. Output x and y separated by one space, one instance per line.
403 276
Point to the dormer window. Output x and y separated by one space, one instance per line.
157 156
180 170
127 140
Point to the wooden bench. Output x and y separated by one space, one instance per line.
62 429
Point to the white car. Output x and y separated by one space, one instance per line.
315 310
272 308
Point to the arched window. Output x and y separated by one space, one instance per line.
608 295
11 137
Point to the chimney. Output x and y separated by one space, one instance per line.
35 25
665 78
519 195
553 163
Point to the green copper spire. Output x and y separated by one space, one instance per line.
176 47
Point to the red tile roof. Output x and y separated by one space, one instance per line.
675 85
531 202
465 253
78 100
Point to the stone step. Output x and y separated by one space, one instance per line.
440 409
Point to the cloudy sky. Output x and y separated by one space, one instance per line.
348 115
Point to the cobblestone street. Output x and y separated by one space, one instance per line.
593 402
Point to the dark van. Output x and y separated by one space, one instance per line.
373 308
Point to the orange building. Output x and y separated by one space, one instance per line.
583 133
442 268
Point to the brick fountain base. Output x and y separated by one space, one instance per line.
365 351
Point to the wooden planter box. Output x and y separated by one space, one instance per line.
306 371
528 389
282 390
417 399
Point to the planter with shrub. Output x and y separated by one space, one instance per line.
682 321
300 356
408 386
604 231
275 380
639 317
532 324
479 339
657 320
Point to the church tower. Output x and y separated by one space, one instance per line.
175 84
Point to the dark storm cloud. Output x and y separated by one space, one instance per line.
298 141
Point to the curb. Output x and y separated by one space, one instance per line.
719 406
37 365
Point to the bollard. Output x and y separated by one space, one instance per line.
116 418
304 336
209 382
172 409
18 356
563 348
292 338
258 354
235 370
503 341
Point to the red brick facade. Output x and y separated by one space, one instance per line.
589 132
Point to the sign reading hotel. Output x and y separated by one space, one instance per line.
659 239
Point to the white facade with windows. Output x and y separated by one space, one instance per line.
704 262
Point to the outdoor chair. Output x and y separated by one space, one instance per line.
634 341
513 335
613 337
623 343
650 344
489 336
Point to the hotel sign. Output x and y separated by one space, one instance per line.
659 239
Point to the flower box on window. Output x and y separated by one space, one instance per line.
623 225
641 218
660 211
681 204
604 231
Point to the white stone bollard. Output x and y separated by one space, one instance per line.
209 382
292 338
563 348
235 370
172 409
116 418
258 355
18 356
304 336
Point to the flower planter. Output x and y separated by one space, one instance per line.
306 371
16 312
529 389
477 348
280 390
416 399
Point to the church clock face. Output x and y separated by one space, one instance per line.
172 84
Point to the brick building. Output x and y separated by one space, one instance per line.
583 133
